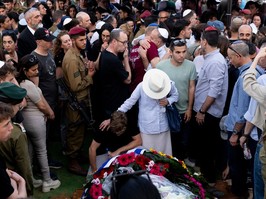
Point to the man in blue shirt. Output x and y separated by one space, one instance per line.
238 54
210 96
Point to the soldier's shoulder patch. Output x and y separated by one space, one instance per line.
76 74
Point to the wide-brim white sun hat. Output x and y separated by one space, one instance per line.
156 84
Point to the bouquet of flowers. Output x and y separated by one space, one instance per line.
170 175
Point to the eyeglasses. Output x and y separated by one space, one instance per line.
230 47
123 42
125 176
179 42
33 59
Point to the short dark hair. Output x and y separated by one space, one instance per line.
133 186
179 26
10 33
13 15
211 37
7 68
115 34
118 124
2 5
2 18
6 111
7 1
177 42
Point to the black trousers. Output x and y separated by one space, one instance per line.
207 145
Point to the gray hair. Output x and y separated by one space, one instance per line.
242 48
80 15
115 34
29 13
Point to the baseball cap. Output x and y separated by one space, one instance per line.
43 34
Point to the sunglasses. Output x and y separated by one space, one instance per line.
179 42
123 177
33 59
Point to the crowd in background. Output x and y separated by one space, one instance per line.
125 62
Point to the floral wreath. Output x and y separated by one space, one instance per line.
156 163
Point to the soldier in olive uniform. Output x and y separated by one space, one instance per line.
14 151
78 76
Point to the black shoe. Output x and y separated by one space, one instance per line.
53 164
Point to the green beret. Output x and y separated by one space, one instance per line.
11 93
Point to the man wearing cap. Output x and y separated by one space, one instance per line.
191 16
183 73
78 76
210 96
26 40
47 68
245 16
15 149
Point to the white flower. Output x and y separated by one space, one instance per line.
151 163
105 175
174 196
96 181
101 197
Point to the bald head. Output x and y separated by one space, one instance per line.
84 19
245 32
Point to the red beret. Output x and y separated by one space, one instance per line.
77 31
145 14
246 12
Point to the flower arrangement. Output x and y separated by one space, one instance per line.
156 163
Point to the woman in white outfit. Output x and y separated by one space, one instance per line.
153 94
35 114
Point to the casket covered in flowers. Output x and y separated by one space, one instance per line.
170 175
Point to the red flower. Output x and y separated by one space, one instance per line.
166 166
131 157
123 160
96 191
142 161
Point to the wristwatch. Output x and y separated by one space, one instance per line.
235 132
202 112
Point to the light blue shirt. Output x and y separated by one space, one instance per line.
239 102
152 117
212 82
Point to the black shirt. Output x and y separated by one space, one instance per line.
6 188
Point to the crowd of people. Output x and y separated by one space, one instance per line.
121 64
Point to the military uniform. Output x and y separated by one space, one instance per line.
78 80
16 155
